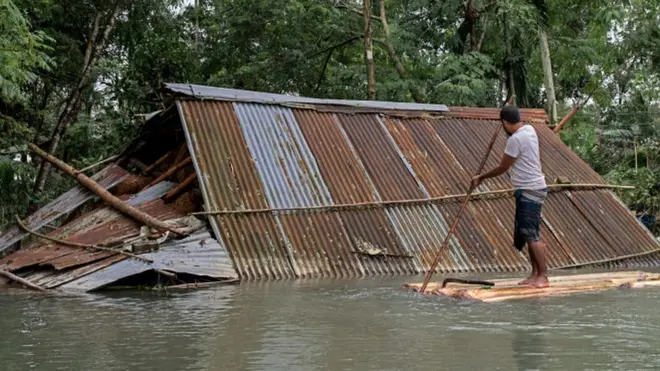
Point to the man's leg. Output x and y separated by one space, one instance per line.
534 264
537 248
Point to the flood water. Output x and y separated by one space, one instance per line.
327 325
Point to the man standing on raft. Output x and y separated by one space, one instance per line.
521 156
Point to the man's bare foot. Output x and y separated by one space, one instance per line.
539 282
527 280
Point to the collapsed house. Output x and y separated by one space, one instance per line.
276 186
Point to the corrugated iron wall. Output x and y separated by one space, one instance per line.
256 156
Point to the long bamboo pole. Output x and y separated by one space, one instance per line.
418 201
438 255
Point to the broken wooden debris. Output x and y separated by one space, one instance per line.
103 193
170 172
157 163
20 280
508 289
175 192
79 245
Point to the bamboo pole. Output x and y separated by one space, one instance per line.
20 280
173 193
111 158
78 245
103 193
151 167
438 255
169 172
338 207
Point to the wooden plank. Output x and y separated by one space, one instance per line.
508 289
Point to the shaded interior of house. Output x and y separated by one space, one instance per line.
271 186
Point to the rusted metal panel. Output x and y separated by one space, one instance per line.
320 247
69 201
51 279
256 246
230 179
282 157
584 242
469 146
97 227
384 165
614 223
343 174
425 165
198 254
421 230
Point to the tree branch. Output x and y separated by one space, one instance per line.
78 245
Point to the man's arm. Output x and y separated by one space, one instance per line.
506 162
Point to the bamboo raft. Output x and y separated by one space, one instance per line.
508 289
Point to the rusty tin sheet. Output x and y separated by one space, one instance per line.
256 246
230 178
584 242
421 230
69 201
341 170
426 161
617 226
319 245
389 172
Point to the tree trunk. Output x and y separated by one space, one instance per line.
103 193
392 52
72 104
369 51
509 69
548 79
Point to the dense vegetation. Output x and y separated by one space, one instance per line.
75 75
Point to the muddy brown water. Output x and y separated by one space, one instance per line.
369 324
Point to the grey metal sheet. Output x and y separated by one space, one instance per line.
69 201
157 191
198 254
285 163
235 95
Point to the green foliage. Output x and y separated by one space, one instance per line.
21 53
606 51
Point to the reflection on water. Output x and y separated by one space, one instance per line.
326 325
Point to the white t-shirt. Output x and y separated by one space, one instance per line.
526 171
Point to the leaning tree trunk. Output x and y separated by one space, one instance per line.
368 51
392 52
511 85
547 74
95 44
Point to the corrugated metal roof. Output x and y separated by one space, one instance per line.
198 254
107 178
254 156
282 157
235 95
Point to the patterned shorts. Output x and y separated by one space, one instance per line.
528 216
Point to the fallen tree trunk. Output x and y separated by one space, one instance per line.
104 194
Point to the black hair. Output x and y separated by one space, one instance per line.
511 114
